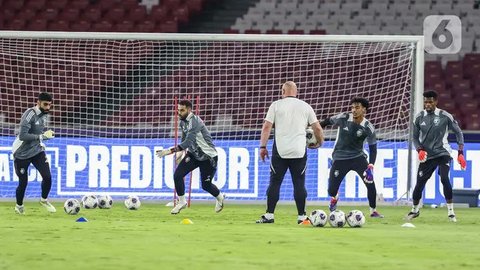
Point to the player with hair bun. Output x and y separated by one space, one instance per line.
348 154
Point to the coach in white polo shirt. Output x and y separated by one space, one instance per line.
291 116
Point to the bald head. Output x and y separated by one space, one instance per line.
289 88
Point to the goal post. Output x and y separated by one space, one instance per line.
114 92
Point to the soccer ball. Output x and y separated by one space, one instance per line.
132 202
105 202
355 218
311 139
71 206
337 219
89 201
318 218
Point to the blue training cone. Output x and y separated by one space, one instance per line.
81 219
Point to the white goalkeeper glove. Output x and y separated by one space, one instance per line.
164 152
48 135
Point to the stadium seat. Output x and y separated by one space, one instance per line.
319 16
194 6
136 14
69 14
35 5
170 26
274 31
295 32
7 14
158 13
252 31
105 5
181 15
78 4
285 26
114 15
102 26
308 5
318 32
60 25
80 26
14 5
145 26
124 26
130 4
267 4
230 31
263 25
92 14
276 15
439 86
16 24
49 14
26 14
171 4
60 4
287 5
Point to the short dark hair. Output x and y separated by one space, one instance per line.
44 96
430 94
185 103
360 100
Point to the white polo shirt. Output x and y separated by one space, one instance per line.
291 117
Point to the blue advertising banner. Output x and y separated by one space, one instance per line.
121 167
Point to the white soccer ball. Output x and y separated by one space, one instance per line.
337 219
89 201
105 201
132 202
355 218
311 139
71 206
318 218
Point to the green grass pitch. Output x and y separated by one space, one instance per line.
152 238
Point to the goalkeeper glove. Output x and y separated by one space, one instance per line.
164 152
422 155
368 174
461 160
48 135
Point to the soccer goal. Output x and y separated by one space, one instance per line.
114 97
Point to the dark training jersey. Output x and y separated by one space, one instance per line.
351 136
28 142
196 138
430 132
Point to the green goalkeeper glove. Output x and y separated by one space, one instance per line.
49 134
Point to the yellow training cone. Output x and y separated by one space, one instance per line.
186 221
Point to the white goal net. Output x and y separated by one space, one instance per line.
114 105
